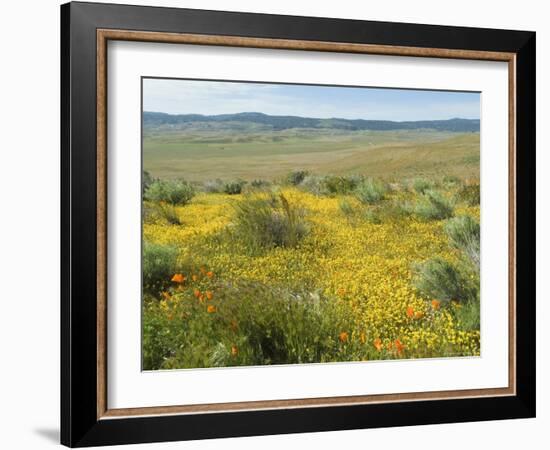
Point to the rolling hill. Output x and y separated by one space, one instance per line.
256 145
265 122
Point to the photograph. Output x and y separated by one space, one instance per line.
299 224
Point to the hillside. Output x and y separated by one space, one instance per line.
200 155
264 122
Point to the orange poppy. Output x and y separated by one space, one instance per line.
378 344
343 336
197 293
234 350
209 274
399 346
436 304
178 278
410 311
209 295
211 309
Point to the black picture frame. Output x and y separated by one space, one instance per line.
80 425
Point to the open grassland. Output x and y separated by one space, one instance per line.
392 155
313 269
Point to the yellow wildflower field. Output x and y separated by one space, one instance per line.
354 272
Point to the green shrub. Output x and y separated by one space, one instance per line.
434 206
388 212
346 207
439 279
146 181
371 191
314 184
396 210
159 263
421 185
213 186
464 234
468 315
260 184
470 194
331 184
296 177
234 187
265 221
175 192
168 213
338 185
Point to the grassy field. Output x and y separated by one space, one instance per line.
392 155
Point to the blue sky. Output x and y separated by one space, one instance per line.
215 97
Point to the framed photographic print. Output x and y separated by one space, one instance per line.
276 224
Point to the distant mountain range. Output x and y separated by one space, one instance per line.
153 120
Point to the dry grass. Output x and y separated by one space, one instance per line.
391 155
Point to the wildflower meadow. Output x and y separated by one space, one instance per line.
294 271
